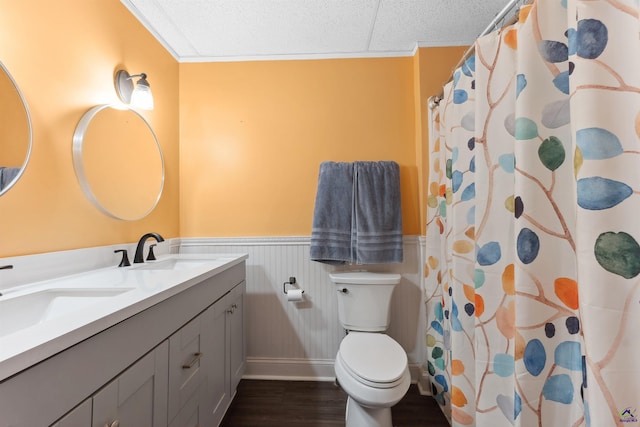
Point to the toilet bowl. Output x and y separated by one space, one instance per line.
372 369
370 366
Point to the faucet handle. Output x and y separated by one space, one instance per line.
125 258
151 256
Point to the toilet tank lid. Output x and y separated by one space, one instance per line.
365 278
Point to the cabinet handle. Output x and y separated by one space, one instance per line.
234 306
116 423
196 357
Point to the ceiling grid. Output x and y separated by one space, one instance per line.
237 30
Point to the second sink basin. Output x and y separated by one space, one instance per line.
173 264
21 311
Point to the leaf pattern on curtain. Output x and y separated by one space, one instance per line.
603 49
438 338
533 259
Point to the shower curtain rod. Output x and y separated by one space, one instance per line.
434 100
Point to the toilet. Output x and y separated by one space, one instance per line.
370 366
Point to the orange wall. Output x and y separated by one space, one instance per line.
14 126
253 134
433 67
63 55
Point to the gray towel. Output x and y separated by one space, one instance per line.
7 175
377 215
357 217
331 229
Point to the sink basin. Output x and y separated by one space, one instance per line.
174 264
26 310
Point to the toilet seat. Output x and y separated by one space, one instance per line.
373 359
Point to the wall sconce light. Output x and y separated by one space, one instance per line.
140 96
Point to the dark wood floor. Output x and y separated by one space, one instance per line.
311 404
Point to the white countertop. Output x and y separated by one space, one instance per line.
143 288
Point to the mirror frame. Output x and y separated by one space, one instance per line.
29 126
78 164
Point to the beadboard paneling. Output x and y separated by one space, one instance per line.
289 337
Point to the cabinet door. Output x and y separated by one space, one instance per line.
80 416
138 396
217 366
186 358
236 322
193 413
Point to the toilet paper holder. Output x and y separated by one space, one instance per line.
292 281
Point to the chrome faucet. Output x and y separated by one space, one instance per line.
140 248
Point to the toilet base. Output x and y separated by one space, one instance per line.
362 416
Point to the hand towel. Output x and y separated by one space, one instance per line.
377 214
331 229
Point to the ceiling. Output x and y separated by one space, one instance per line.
237 30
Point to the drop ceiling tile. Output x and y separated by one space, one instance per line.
402 23
202 30
272 27
154 18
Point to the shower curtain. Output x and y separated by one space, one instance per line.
532 286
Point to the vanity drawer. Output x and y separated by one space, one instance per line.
186 373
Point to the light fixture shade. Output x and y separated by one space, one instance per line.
142 96
139 96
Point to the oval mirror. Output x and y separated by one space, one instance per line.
118 162
15 131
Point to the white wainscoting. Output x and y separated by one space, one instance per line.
299 340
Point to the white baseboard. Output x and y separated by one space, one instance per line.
261 368
424 385
424 391
414 370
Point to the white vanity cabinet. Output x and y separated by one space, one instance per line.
236 344
228 343
189 349
163 366
138 396
206 362
194 412
78 417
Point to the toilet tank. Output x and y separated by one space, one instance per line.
364 299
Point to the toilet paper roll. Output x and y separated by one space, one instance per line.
294 295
